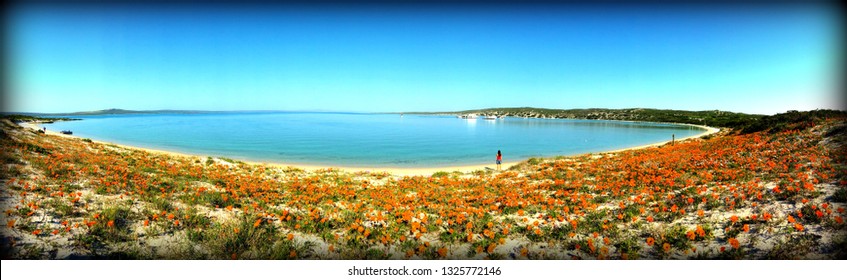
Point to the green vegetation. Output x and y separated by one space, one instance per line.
794 120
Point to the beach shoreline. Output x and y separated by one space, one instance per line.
397 171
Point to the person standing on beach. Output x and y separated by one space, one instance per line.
499 159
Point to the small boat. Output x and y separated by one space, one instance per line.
68 132
468 116
490 117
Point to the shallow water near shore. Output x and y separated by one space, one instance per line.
369 140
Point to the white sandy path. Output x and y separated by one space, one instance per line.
399 171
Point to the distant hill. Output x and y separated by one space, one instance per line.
150 112
25 117
710 118
127 112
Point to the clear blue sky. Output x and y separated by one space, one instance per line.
423 58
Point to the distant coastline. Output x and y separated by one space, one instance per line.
713 118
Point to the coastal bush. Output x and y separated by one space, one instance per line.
36 148
840 195
791 246
441 174
791 120
241 239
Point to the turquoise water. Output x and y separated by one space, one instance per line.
368 140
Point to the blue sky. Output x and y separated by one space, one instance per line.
422 58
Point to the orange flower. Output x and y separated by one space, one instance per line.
111 223
290 236
650 241
176 222
798 227
442 252
666 247
10 224
36 232
746 228
257 223
734 219
734 243
146 223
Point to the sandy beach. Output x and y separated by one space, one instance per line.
398 171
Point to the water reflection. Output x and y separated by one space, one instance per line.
531 122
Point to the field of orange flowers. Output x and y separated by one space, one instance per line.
734 196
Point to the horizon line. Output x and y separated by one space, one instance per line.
359 112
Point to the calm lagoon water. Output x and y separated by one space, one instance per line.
368 140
